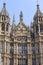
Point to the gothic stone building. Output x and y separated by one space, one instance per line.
21 44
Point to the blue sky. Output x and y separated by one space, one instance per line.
28 7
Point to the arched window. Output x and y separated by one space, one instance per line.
7 27
36 29
3 26
3 18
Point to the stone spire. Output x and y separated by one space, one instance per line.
38 9
38 6
4 11
38 12
21 16
13 23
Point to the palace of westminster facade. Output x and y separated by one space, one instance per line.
21 44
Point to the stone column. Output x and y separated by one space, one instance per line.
1 62
0 28
15 61
8 61
4 61
5 39
35 30
15 49
8 48
39 28
40 53
9 28
29 54
15 54
40 47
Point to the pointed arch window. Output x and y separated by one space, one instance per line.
11 48
22 61
3 26
3 18
40 18
11 61
33 61
22 49
36 29
41 28
33 49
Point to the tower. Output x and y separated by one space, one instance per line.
38 32
5 34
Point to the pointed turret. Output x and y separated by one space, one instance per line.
4 11
21 16
13 23
38 12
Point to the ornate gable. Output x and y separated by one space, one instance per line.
21 28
